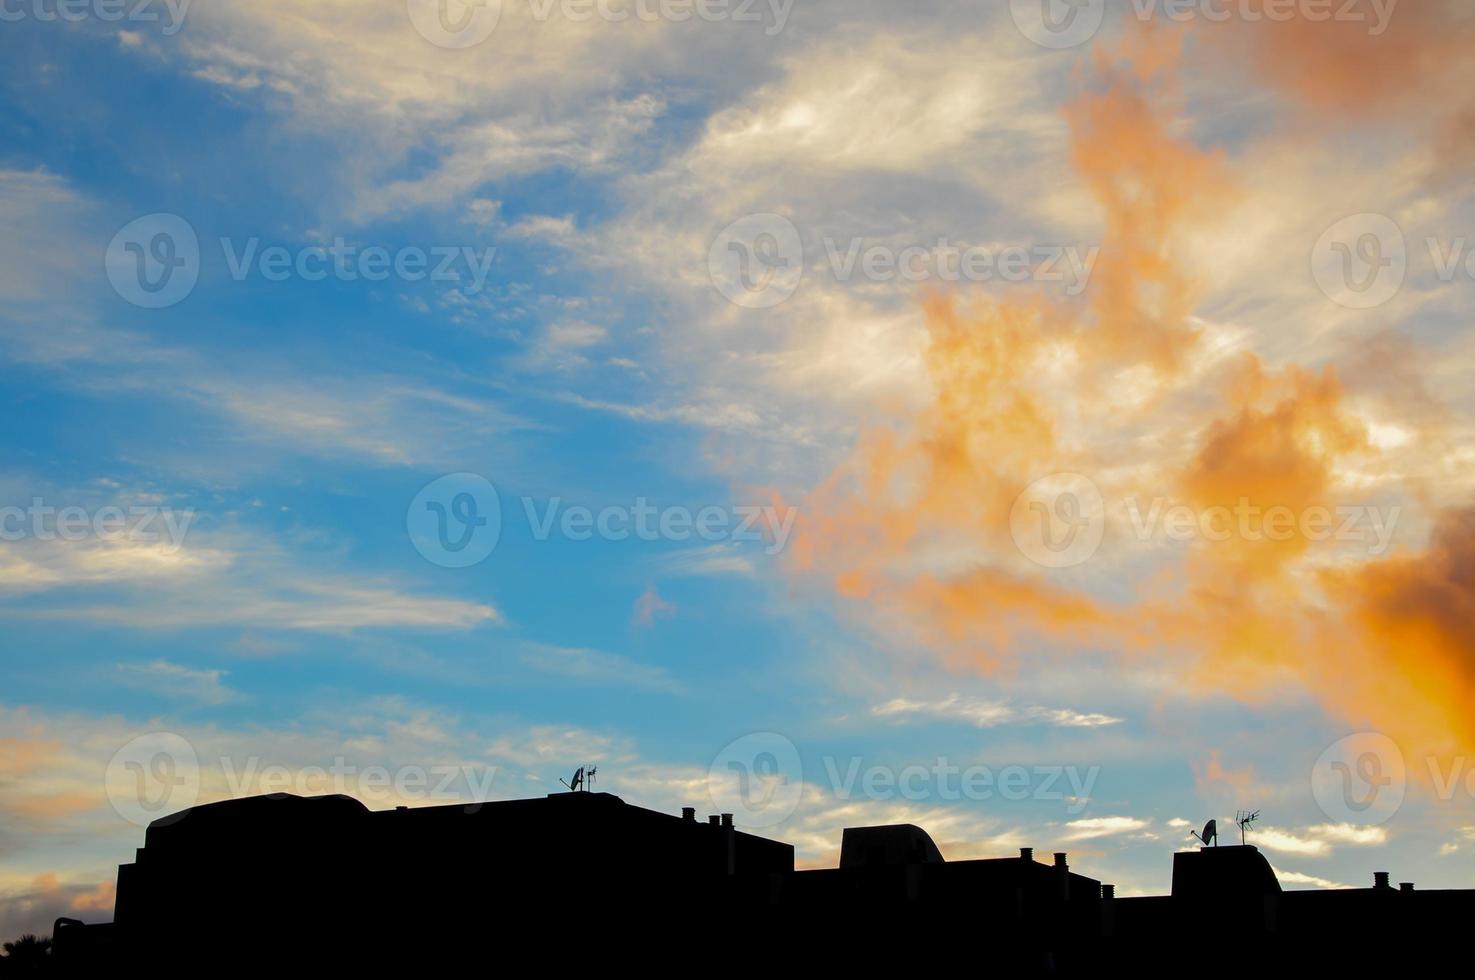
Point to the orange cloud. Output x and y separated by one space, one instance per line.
54 806
99 899
914 527
937 492
1347 67
1213 778
1151 186
649 606
21 755
1403 654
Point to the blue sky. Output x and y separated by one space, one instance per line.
591 164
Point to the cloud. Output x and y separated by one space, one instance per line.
1341 68
247 596
597 667
287 403
367 77
302 604
916 530
1287 842
1096 827
176 681
916 104
650 606
1346 833
1319 840
205 570
1305 880
563 345
35 566
724 558
55 794
33 907
45 214
1213 777
990 714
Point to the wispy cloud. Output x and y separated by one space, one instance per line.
1093 827
1346 833
1305 880
984 713
651 606
717 559
598 667
177 681
227 575
301 604
1288 842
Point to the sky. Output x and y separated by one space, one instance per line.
1049 424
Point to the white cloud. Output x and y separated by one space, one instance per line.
301 603
892 102
1318 840
990 714
222 577
1305 880
43 215
533 95
598 667
281 401
562 344
1346 833
177 681
717 559
1287 842
1092 828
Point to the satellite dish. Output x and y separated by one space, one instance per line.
1209 836
582 779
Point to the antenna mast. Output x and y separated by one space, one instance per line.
1244 818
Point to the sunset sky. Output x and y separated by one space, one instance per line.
856 397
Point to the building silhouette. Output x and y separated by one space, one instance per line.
584 878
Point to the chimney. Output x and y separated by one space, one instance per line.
713 819
1380 879
1108 891
1062 871
727 820
689 814
1026 853
1405 886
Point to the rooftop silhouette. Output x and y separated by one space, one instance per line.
584 876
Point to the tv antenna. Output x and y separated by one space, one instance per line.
1210 835
583 779
1244 818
